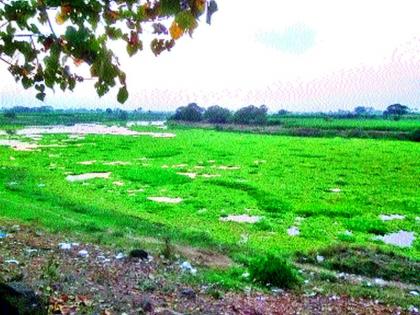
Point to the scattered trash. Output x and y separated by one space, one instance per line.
320 259
83 253
293 231
12 262
120 256
186 266
244 218
64 246
3 234
413 309
414 293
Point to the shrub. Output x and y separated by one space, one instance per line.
415 136
217 115
251 115
9 115
275 271
192 112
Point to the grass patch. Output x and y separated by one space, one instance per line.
367 261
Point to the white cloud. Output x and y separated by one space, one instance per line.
363 52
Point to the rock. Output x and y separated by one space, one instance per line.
17 299
188 293
146 304
139 253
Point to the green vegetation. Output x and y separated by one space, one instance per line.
273 270
376 123
322 187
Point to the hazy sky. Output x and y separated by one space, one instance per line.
299 55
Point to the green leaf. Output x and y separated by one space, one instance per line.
41 96
122 95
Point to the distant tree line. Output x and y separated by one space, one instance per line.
249 115
253 115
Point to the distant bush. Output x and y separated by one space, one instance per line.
396 110
217 115
415 136
251 115
275 271
192 112
9 115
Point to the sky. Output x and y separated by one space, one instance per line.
300 55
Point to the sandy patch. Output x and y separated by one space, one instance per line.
293 231
165 166
117 163
118 183
18 145
190 175
244 218
391 217
87 162
86 129
260 162
229 168
199 167
165 200
400 239
87 176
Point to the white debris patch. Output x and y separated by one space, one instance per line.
391 217
293 231
335 190
400 239
86 129
87 162
244 218
19 145
190 175
165 200
87 176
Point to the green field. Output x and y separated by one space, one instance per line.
276 178
404 124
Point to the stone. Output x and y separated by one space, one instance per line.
139 253
188 293
17 299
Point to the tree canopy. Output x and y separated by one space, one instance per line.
44 41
